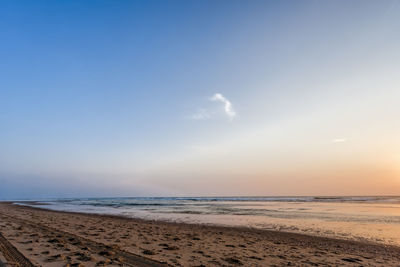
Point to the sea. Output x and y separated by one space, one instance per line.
373 219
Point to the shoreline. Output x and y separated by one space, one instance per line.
216 227
184 244
368 242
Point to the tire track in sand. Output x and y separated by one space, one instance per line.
106 251
12 255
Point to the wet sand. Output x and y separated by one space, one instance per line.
53 238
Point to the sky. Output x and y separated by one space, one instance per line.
199 98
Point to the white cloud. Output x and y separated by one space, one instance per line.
339 140
208 113
227 105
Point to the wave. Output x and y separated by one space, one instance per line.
177 202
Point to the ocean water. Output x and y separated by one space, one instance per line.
372 219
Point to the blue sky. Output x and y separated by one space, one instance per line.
116 98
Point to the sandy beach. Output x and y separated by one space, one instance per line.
199 133
39 237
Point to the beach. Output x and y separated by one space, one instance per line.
199 133
58 238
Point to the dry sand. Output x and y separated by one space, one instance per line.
51 238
